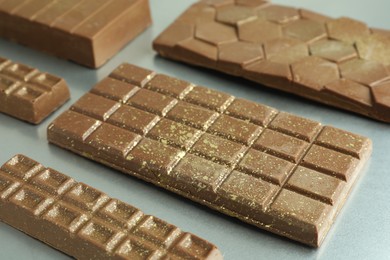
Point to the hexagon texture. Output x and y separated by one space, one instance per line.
340 62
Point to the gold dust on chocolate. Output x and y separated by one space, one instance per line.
84 222
340 62
236 156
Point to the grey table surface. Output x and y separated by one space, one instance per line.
362 230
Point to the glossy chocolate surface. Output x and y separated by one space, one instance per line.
88 32
29 94
340 62
280 172
86 223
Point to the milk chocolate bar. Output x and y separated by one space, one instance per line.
275 170
28 94
88 32
339 62
86 223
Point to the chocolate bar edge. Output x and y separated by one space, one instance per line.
61 94
9 223
139 15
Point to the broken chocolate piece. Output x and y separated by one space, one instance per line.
84 222
339 62
277 171
88 32
28 94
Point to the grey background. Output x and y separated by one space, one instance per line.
362 230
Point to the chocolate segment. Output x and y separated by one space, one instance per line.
88 32
239 157
86 223
28 94
339 62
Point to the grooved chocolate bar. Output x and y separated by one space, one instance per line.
339 62
88 32
277 171
28 94
84 222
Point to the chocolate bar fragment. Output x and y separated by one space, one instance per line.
86 223
277 171
88 32
28 94
339 62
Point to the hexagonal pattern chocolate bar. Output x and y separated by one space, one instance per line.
277 171
340 62
84 222
28 94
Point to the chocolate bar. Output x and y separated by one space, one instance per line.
86 223
28 94
339 62
88 32
272 169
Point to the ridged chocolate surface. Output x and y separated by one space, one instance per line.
88 32
28 94
340 62
86 223
280 172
